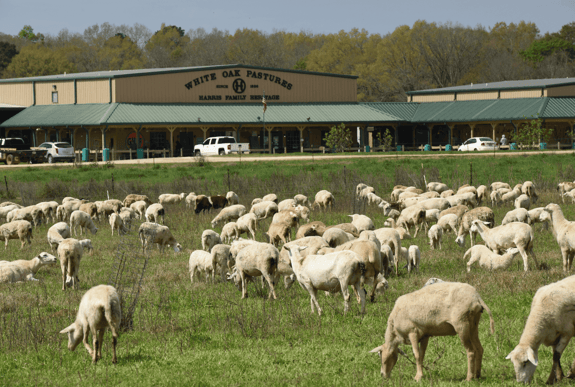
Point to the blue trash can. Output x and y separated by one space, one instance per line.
448 147
542 145
106 154
367 149
513 146
85 154
427 147
140 153
398 148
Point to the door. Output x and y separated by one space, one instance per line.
187 143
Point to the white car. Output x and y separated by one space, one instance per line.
58 151
478 144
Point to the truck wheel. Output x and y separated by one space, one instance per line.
50 159
221 152
9 159
198 154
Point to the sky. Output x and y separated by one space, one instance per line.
316 16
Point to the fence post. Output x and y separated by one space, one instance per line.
181 152
470 173
148 152
6 182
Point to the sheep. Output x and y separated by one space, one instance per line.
4 211
71 206
517 215
430 195
336 236
24 270
254 260
302 212
522 201
361 222
488 259
495 198
247 224
171 198
432 281
301 200
17 229
369 253
403 233
210 238
155 233
437 187
203 203
105 209
393 215
551 322
238 246
70 252
497 185
414 256
57 233
80 218
287 204
133 198
256 201
229 214
270 198
390 237
221 258
332 272
99 309
279 232
435 234
140 208
514 234
311 229
484 214
528 188
374 199
153 213
218 201
571 194
412 217
33 214
229 232
564 187
512 195
481 194
60 213
313 244
431 216
467 189
87 245
323 199
448 193
90 209
232 198
449 222
468 199
365 191
347 227
264 209
127 214
48 209
413 201
116 223
359 188
564 232
539 215
201 260
191 200
6 204
443 309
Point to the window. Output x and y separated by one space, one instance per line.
54 97
227 140
472 141
207 142
158 141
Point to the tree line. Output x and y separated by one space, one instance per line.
423 56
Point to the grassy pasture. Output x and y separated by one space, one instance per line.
203 334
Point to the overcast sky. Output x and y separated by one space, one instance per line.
317 16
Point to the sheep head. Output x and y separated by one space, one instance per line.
388 357
46 258
75 335
524 361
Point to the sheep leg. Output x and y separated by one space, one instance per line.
357 288
243 282
556 370
86 333
478 348
271 284
465 336
100 342
63 279
414 339
346 296
524 255
372 295
416 230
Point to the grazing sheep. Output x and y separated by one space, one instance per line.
313 245
514 234
517 215
440 204
347 227
116 223
232 198
448 193
24 270
4 211
488 259
49 210
70 252
465 189
203 203
332 272
221 259
336 236
33 214
551 322
484 214
114 203
71 206
218 201
68 199
99 309
80 218
229 232
264 209
431 216
311 229
127 214
254 260
133 198
430 195
443 309
481 194
90 209
369 253
571 194
495 198
413 258
497 185
247 224
564 187
302 212
528 188
154 233
361 222
467 199
87 245
238 246
17 229
105 210
256 201
539 215
153 213
201 260
287 204
522 201
323 199
437 187
210 238
57 233
512 195
403 233
171 198
229 214
435 234
301 200
288 217
140 208
191 200
449 222
432 281
279 232
270 198
564 232
412 217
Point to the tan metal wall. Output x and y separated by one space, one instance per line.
94 91
529 93
562 91
216 86
44 92
477 96
17 93
433 98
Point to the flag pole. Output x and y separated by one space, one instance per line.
265 107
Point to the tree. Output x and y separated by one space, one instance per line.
36 60
385 140
7 52
532 133
28 33
339 137
166 47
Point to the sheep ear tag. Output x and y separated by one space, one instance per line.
532 356
67 329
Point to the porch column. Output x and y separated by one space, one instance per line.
87 138
494 127
72 138
472 127
430 133
269 130
205 130
57 134
301 129
171 129
451 126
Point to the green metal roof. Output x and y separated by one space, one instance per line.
504 85
559 108
402 110
141 72
61 115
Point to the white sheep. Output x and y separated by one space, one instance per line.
48 209
497 185
516 215
564 187
154 212
312 243
449 222
488 259
171 198
564 232
70 253
24 270
512 195
443 309
80 218
264 209
229 214
390 237
448 193
413 216
528 188
132 198
154 233
286 204
221 259
270 198
522 201
57 233
551 322
99 309
431 216
210 238
32 214
481 193
485 214
539 215
332 272
495 198
247 224
229 231
127 214
301 200
116 223
336 236
191 200
201 260
140 208
435 235
232 198
254 260
437 187
362 222
413 258
4 211
323 199
17 229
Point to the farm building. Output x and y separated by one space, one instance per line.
176 108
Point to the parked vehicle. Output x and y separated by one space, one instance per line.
221 146
478 144
58 151
15 151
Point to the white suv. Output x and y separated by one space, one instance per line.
58 151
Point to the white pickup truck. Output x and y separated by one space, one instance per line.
221 146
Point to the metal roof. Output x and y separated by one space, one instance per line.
61 115
402 110
508 85
559 108
141 72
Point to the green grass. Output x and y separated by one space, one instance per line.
204 334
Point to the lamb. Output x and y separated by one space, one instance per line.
413 258
435 234
412 217
17 229
564 232
155 233
171 198
254 260
495 198
127 214
80 218
270 198
201 260
361 222
449 222
191 200
229 214
210 238
229 232
301 200
70 252
323 199
139 207
488 259
514 234
221 258
484 214
390 237
232 198
57 233
116 223
24 270
437 187
443 309
99 309
539 215
517 215
332 272
551 322
369 253
69 199
247 223
153 213
264 209
571 194
133 198
522 201
336 236
311 229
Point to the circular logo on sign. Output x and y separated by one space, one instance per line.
239 86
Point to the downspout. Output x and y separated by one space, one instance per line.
33 93
110 87
75 92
